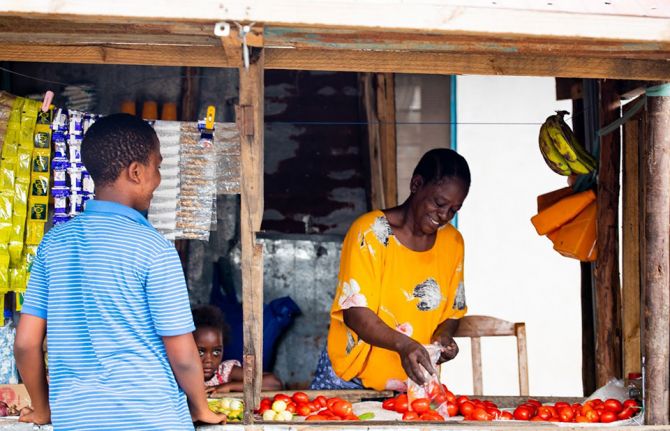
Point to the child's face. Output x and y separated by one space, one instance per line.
210 347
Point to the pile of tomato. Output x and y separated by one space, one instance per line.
318 409
419 409
595 410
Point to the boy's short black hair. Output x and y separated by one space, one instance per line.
113 142
210 316
442 162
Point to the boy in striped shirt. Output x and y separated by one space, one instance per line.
110 292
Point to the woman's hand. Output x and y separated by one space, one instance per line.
449 348
443 336
209 417
415 360
27 414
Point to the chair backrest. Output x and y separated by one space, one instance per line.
475 327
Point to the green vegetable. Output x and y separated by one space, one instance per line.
366 416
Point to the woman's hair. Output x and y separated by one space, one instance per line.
442 162
210 316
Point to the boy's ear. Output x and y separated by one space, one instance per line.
135 172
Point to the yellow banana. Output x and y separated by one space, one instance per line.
551 156
560 141
582 154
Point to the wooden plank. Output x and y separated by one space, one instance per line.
378 40
385 92
484 326
630 242
522 355
607 292
352 61
250 125
593 21
374 144
458 63
657 264
477 384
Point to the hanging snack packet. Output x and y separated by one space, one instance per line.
432 389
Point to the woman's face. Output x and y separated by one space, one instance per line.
210 348
435 203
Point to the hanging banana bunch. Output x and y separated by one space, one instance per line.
561 150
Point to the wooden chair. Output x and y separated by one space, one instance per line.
476 327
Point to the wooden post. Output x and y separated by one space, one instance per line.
385 89
607 296
379 100
656 264
249 115
631 227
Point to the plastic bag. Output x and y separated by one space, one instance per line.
432 389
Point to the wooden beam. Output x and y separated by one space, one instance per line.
618 21
385 92
377 196
656 266
250 124
461 63
630 244
607 293
352 61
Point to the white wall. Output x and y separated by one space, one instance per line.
510 271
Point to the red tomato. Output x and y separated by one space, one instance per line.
342 408
266 402
536 403
421 405
493 412
561 404
431 416
331 401
631 403
313 406
352 417
581 419
506 416
389 404
545 413
554 412
322 401
316 418
282 397
300 398
262 410
410 416
452 409
291 407
466 408
401 404
439 399
626 413
565 414
522 413
576 407
461 399
532 408
536 419
592 416
613 405
303 410
450 396
595 402
608 416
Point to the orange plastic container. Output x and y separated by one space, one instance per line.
150 110
562 212
577 239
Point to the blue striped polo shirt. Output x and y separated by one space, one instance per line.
110 286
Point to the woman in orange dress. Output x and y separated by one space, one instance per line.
400 284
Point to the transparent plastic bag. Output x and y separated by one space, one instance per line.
432 389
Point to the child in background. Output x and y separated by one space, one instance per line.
220 376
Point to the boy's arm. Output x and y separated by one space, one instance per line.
30 362
187 368
236 384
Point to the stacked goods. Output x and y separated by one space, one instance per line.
569 221
561 149
284 408
232 408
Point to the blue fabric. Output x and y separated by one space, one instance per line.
325 378
109 286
